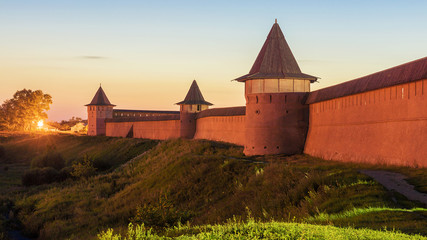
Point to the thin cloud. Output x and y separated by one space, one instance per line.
92 57
313 61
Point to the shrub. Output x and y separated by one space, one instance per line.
83 168
2 151
160 214
65 173
101 164
3 235
51 158
139 232
38 176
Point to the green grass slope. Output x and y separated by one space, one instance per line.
258 230
203 182
18 151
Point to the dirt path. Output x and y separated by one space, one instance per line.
396 181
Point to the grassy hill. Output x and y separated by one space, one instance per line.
258 230
178 181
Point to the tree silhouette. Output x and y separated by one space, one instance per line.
24 110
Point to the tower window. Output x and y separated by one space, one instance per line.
198 107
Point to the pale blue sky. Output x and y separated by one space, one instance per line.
146 53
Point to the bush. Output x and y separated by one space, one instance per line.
160 214
2 151
51 158
84 168
40 176
65 173
3 235
101 164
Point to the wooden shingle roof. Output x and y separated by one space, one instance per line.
275 60
145 118
145 111
194 96
230 111
100 99
405 73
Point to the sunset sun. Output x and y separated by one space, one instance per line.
40 124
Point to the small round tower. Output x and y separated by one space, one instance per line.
189 107
98 110
275 92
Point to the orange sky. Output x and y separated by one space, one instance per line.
147 54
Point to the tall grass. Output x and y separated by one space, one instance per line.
204 182
257 230
360 211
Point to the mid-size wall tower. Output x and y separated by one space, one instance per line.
275 92
98 110
192 104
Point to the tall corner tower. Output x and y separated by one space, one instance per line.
275 93
192 104
98 110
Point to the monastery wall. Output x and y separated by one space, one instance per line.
277 123
219 124
160 130
156 129
118 129
229 129
384 126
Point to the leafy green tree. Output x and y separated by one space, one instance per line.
24 110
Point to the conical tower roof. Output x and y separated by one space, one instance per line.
100 99
275 60
194 96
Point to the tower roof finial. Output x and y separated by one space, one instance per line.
275 20
194 96
275 60
100 98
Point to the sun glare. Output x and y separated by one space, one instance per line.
40 123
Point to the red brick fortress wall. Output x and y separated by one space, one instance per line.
220 124
229 129
96 119
188 125
157 129
118 129
160 130
276 123
383 126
